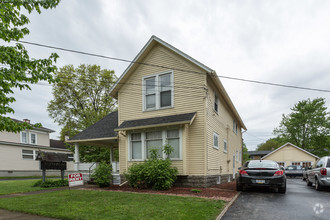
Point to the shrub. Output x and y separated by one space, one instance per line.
102 174
196 190
51 183
155 173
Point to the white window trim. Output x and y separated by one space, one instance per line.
34 154
215 135
27 137
143 145
225 149
30 138
157 91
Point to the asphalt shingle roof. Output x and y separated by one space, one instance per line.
104 128
57 144
157 120
261 152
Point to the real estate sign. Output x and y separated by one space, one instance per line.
75 179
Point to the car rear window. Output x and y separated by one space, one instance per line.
261 164
328 165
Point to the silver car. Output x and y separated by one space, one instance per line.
319 174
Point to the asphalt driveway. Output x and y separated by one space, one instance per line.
299 202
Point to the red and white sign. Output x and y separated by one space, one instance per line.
75 179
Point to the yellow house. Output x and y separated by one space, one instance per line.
290 154
166 96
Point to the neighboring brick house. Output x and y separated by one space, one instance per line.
165 96
19 150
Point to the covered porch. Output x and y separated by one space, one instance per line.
101 134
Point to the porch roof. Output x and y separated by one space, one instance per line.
177 119
103 130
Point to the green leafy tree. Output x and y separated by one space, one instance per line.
307 126
17 69
272 144
81 98
245 154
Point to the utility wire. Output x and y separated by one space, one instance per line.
178 69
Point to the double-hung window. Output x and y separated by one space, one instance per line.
136 146
215 140
234 126
216 103
24 137
28 154
158 91
33 138
225 145
154 140
173 139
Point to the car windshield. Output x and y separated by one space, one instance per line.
293 168
261 164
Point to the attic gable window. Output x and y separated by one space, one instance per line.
234 126
158 91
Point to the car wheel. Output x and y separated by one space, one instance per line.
318 187
308 182
282 189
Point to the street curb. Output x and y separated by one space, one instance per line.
228 206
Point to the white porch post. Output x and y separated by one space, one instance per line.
76 157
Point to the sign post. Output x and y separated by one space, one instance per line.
75 179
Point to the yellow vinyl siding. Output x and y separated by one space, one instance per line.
186 100
222 124
290 154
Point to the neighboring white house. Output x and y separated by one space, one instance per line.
18 151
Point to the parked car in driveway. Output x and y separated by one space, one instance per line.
294 171
319 174
261 173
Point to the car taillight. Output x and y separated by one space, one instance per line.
323 172
278 173
243 173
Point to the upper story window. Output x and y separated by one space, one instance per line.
24 137
33 138
234 126
158 91
216 103
215 140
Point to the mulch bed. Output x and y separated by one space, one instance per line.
224 191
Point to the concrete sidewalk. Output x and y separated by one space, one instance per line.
8 215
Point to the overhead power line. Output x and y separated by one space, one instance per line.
178 69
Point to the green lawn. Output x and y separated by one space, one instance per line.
16 186
26 177
80 204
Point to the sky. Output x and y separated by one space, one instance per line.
285 42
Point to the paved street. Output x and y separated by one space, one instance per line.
299 202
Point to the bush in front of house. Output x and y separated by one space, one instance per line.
102 174
51 183
155 173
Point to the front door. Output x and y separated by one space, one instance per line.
233 166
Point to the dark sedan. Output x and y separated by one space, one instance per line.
261 173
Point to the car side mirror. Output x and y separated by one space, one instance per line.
239 168
309 168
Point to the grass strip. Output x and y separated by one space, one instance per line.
81 204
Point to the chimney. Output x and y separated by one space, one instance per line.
26 120
66 137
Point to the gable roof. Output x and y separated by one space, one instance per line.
103 129
148 47
259 153
157 121
37 129
57 144
292 146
